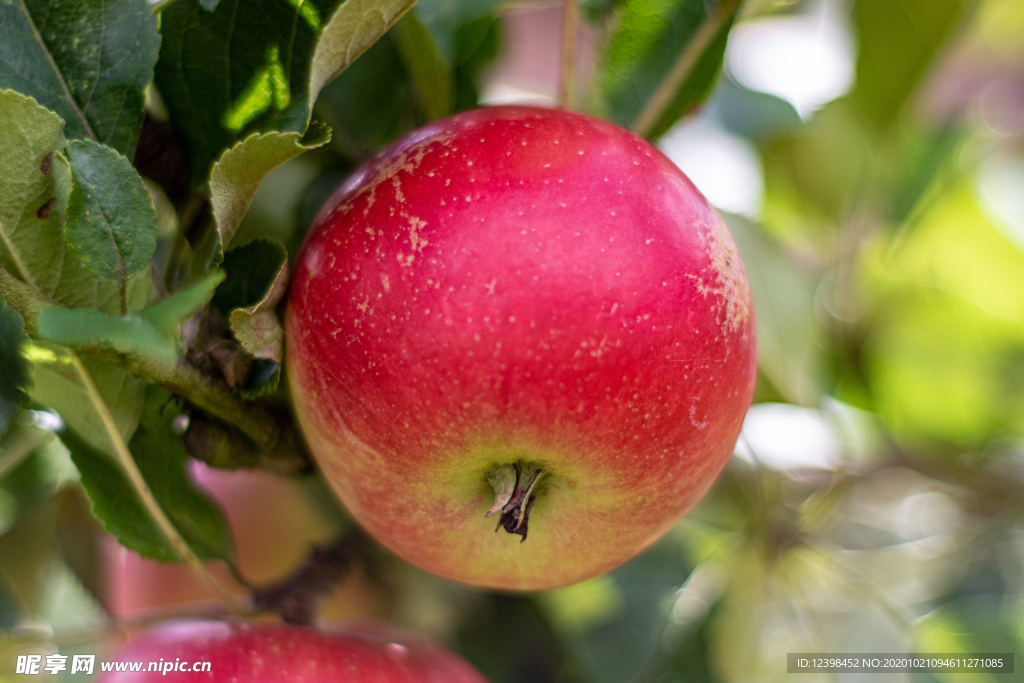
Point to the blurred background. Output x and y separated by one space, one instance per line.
868 158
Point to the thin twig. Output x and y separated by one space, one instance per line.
680 71
568 53
297 597
149 501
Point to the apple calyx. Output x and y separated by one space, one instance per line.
513 495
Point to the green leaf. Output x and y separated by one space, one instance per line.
78 288
88 61
260 67
237 174
898 40
161 457
169 315
89 328
69 282
444 18
476 46
33 201
13 366
352 30
34 192
662 60
255 275
369 105
56 384
111 219
257 279
427 71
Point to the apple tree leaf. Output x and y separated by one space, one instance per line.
34 195
355 26
257 277
111 219
898 40
368 105
88 328
56 384
13 366
160 455
168 315
428 72
34 192
257 66
238 173
443 20
89 61
662 60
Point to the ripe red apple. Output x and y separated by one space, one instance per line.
524 312
270 653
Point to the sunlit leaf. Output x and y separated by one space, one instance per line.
233 70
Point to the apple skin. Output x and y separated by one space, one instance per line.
520 285
274 653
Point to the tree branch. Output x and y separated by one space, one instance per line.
210 395
568 53
297 597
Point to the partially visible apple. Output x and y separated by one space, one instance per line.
525 313
270 653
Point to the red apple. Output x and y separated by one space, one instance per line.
512 311
270 653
